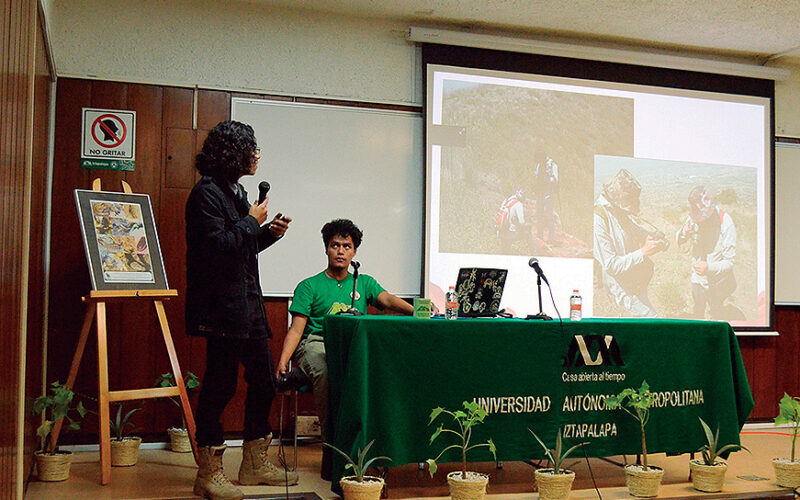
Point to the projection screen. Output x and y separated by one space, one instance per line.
651 201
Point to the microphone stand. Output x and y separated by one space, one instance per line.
353 311
540 315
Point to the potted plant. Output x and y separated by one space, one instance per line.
358 486
124 448
643 480
52 464
555 483
787 471
178 436
709 474
463 485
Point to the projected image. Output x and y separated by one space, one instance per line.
519 182
651 201
671 237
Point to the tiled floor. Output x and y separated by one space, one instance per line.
162 474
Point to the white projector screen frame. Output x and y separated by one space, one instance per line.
787 231
700 137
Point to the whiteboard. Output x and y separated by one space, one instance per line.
787 229
326 162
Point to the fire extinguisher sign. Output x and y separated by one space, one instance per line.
109 139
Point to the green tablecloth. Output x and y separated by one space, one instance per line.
387 373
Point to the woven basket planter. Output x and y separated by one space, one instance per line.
125 453
787 473
471 488
553 486
179 440
369 489
643 482
53 467
708 478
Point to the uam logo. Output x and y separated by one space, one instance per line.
593 350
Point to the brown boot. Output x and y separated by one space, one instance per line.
257 469
211 482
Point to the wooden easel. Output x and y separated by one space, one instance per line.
96 308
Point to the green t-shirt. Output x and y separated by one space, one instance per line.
320 294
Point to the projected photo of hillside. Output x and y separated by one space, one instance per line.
536 143
694 223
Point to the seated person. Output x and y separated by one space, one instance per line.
329 292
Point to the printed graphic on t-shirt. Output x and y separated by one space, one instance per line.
338 307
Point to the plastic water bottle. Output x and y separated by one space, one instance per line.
575 312
451 304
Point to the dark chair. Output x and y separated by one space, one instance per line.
290 387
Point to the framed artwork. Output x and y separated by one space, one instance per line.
121 242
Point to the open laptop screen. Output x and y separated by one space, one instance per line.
479 291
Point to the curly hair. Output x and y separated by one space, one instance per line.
228 151
343 228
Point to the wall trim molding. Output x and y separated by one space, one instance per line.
243 90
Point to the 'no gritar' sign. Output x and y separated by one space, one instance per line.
109 139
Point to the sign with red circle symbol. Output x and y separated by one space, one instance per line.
108 139
112 128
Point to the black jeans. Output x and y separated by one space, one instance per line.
223 356
715 296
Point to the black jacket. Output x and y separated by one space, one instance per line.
223 292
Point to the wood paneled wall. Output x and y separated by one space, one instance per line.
166 146
773 363
36 276
24 91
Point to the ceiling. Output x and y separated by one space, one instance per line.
756 30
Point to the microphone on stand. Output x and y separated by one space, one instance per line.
353 311
263 189
355 265
534 263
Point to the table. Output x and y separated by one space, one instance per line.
386 374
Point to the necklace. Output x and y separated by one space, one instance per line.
338 281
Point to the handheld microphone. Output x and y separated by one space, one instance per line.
263 189
534 263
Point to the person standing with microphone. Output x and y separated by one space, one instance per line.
224 234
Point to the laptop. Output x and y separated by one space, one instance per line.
479 291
